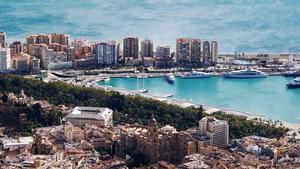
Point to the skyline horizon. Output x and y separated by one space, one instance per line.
241 26
23 40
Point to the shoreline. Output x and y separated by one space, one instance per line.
184 104
92 81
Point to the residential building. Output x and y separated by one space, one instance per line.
195 50
5 59
62 39
98 116
42 39
183 50
131 48
21 62
206 53
216 130
16 47
2 39
147 48
30 40
107 53
214 51
188 50
163 52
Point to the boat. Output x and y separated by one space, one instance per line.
126 77
292 73
247 73
195 74
294 84
107 79
170 78
169 95
143 91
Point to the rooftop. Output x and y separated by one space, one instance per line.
97 113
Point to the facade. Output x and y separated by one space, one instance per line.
155 144
30 40
131 48
107 53
163 52
2 39
206 53
183 50
216 130
98 116
146 48
16 47
195 50
188 50
21 62
214 51
5 59
42 39
62 39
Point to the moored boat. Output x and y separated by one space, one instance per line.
170 78
292 73
294 84
247 73
195 74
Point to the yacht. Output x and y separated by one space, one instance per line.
292 74
195 74
170 78
294 84
247 73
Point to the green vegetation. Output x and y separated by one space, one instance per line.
35 117
131 109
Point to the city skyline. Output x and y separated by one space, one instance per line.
261 27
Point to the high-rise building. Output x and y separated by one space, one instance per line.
163 52
214 51
16 47
5 59
2 39
195 50
188 50
183 50
30 40
62 39
216 130
206 53
42 39
146 48
107 53
131 48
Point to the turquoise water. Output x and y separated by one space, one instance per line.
239 25
267 96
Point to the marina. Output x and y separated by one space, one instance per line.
258 97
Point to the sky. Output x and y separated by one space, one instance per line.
258 26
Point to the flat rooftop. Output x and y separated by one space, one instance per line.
93 113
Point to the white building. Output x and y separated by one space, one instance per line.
216 130
5 59
98 116
107 53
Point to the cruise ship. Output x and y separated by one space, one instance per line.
247 73
195 74
294 84
170 78
292 74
